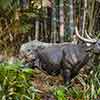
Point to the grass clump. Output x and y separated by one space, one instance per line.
15 83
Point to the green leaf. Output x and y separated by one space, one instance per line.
27 70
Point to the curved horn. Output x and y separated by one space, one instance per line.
84 39
87 35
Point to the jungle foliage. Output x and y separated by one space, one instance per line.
49 21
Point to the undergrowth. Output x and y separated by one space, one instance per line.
16 84
80 88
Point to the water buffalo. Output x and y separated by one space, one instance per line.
65 58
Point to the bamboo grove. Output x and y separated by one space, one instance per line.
46 20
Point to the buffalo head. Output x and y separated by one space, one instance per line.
94 44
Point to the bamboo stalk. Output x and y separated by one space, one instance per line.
61 14
84 16
37 30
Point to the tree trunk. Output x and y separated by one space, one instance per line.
49 19
54 31
71 19
84 16
37 30
61 14
91 15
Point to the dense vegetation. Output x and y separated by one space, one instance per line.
16 83
48 21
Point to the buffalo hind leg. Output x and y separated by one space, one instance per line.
66 75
